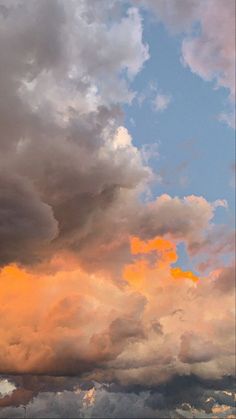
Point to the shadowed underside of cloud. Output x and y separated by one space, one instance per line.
70 397
89 285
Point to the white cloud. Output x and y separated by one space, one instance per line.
6 387
228 118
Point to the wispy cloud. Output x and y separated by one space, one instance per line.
161 102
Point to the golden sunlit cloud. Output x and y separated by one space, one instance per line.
165 255
70 321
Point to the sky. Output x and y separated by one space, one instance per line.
117 176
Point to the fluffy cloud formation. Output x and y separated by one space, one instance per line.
62 136
207 51
88 267
61 126
174 322
211 55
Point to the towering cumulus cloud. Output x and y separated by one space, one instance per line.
97 312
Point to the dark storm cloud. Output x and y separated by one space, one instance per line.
70 397
194 391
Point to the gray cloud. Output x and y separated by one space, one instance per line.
226 280
69 397
59 116
25 221
194 349
64 72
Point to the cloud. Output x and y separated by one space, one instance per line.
6 387
62 131
185 218
228 118
177 14
26 222
187 395
161 102
153 95
193 349
68 142
72 310
206 50
75 323
226 280
75 300
211 54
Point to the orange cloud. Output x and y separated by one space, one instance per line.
66 321
137 272
57 323
166 250
179 273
